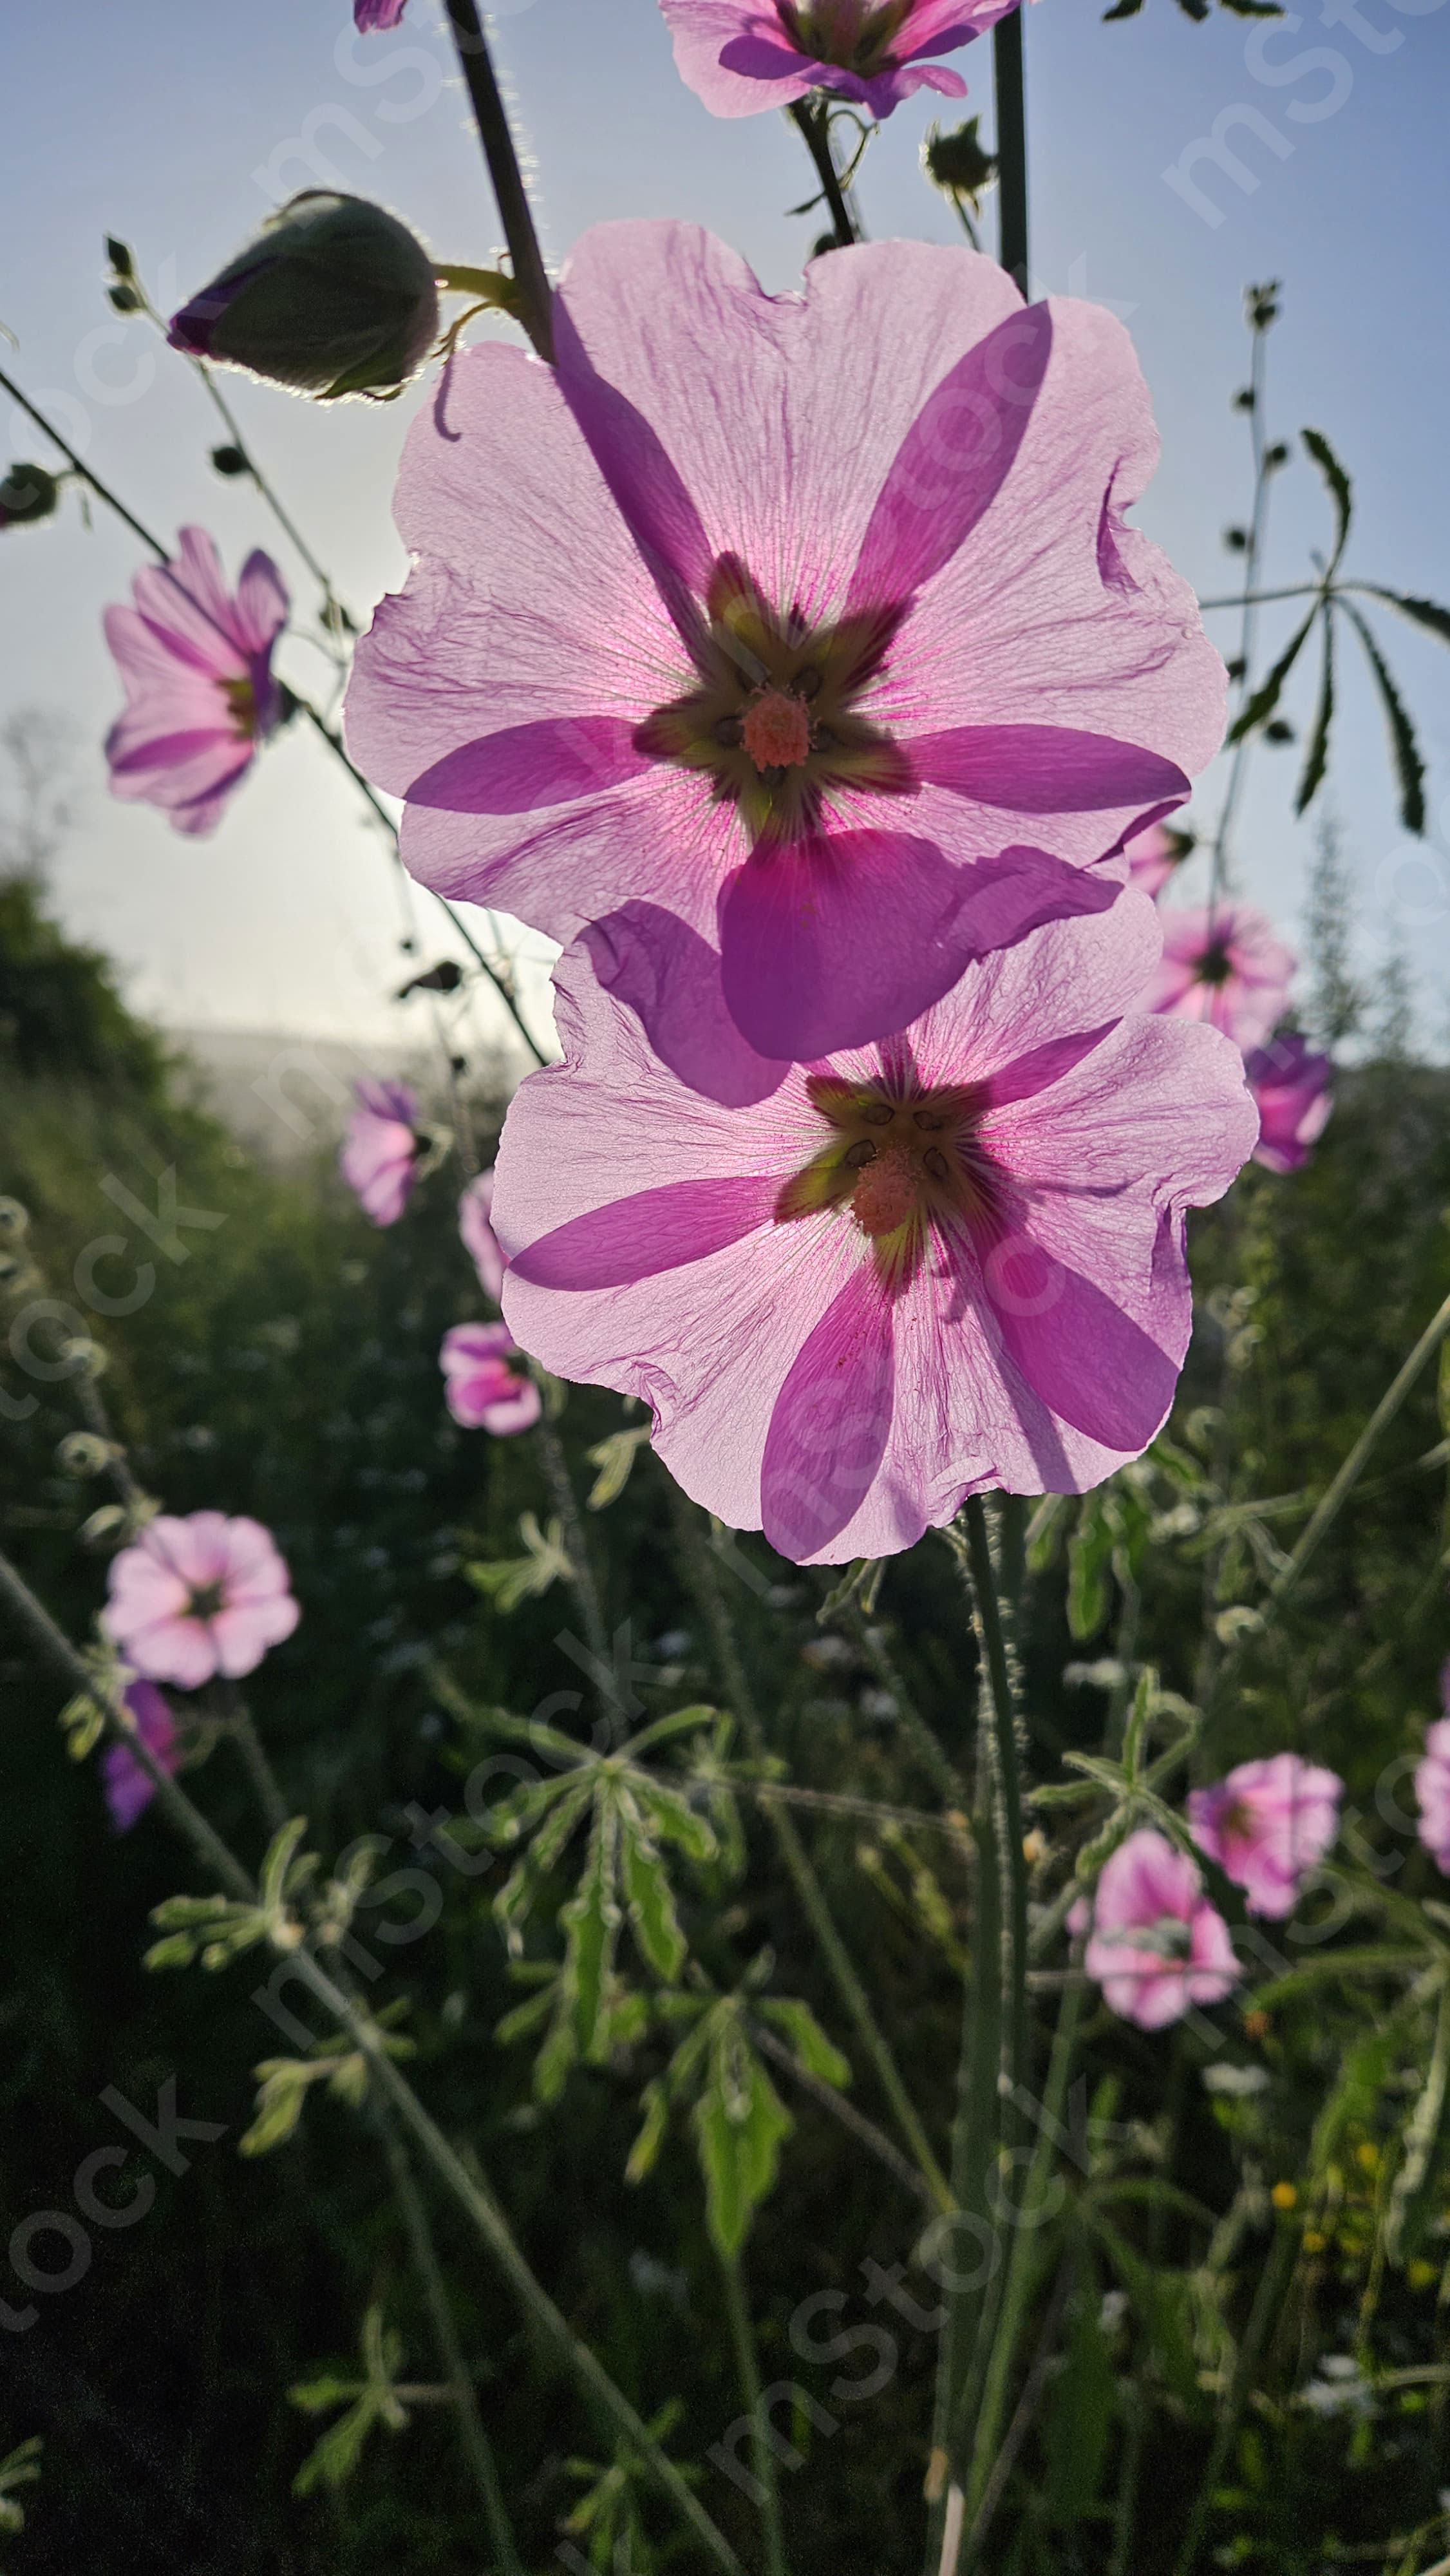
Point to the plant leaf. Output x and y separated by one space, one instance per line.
591 1924
1317 760
814 2051
1341 493
1266 696
651 1903
1409 767
644 2154
1424 612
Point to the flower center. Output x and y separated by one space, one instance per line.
856 34
773 722
206 1601
1170 1938
900 1160
1215 966
241 700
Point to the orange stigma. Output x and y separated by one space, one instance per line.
776 731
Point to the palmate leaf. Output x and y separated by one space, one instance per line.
1269 691
1317 758
1423 612
740 2125
1341 492
1409 767
652 1915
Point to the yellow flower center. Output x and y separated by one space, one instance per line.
901 1160
241 700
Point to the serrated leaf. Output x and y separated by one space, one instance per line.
739 2131
817 2054
1317 759
1424 612
591 1925
1340 490
1409 767
614 1459
651 1903
644 2154
340 2449
1266 696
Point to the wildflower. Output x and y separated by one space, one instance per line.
1157 1945
1293 1092
196 663
778 613
894 1277
1223 964
480 1389
740 56
369 15
1268 1825
128 1790
1155 855
199 1596
381 1150
1432 1789
333 297
479 1240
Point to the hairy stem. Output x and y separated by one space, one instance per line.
1011 103
491 117
812 119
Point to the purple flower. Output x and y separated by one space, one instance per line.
779 613
479 1240
197 669
855 1291
740 56
379 1158
480 1389
199 1596
369 15
1292 1088
1157 1945
1224 964
129 1790
1432 1788
1268 1825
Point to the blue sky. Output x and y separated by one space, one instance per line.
175 125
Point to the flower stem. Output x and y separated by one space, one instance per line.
1011 99
1238 767
812 118
737 2309
1272 2282
561 1486
101 490
491 117
249 1744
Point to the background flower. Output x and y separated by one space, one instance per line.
1224 964
897 1276
371 14
199 1596
1293 1092
379 1157
197 669
790 683
480 1389
479 1240
1155 855
1268 1825
1156 1944
742 56
1432 1788
128 1790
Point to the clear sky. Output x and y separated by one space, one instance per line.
175 123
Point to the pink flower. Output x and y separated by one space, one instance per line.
371 14
479 1240
1225 966
379 1158
1155 855
1157 1945
196 1597
1268 1825
740 56
857 1290
777 613
1432 1788
1292 1088
129 1790
197 668
481 1391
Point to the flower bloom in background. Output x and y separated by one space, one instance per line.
890 1278
478 1237
333 297
1293 1090
369 15
1432 1787
199 1596
1268 1825
1224 964
380 1152
1156 855
777 613
741 56
128 1790
197 667
480 1389
1156 1945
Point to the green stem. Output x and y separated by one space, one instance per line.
1271 2285
469 2189
1125 2511
461 2391
491 118
1011 101
241 1728
737 2308
561 1486
1007 1776
844 2110
811 117
705 1584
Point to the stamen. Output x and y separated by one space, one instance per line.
777 732
886 1195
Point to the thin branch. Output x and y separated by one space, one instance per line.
845 2111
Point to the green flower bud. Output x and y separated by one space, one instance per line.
27 494
334 297
957 163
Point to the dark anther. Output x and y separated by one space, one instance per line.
931 1119
822 738
859 1155
808 681
880 1114
729 733
936 1163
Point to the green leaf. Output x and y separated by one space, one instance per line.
674 1820
1418 2187
1266 696
1078 2429
652 1914
614 1458
1409 767
315 2396
283 2090
740 2123
1340 491
814 2051
661 1730
523 1578
1317 758
1089 1560
278 1863
1424 612
559 2053
340 2449
591 1924
644 2154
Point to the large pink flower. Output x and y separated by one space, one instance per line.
1225 965
740 56
1293 1090
1268 1825
1432 1788
128 1790
379 1158
1156 1944
857 1290
475 1210
197 668
480 1389
777 612
196 1597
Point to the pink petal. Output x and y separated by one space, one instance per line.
829 1428
670 978
243 1633
552 762
262 604
479 1239
1044 769
1050 1318
655 1230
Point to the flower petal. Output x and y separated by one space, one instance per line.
638 1237
831 1422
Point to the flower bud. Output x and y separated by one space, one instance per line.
957 163
334 297
27 493
82 1453
14 1221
